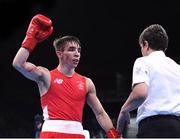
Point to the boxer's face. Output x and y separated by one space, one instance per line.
71 55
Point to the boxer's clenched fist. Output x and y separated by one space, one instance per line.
40 28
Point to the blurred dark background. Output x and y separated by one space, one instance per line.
108 31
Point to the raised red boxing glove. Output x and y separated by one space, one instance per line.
40 28
113 133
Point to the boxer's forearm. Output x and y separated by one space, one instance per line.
104 121
107 125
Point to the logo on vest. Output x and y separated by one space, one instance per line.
80 85
58 81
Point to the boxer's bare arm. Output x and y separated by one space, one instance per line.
40 28
101 115
28 69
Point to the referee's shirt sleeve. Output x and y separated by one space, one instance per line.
140 72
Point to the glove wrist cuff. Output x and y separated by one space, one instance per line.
29 43
113 133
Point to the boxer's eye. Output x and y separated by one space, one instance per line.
71 49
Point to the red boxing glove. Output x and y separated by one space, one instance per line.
113 133
40 28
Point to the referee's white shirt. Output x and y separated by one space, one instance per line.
162 75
